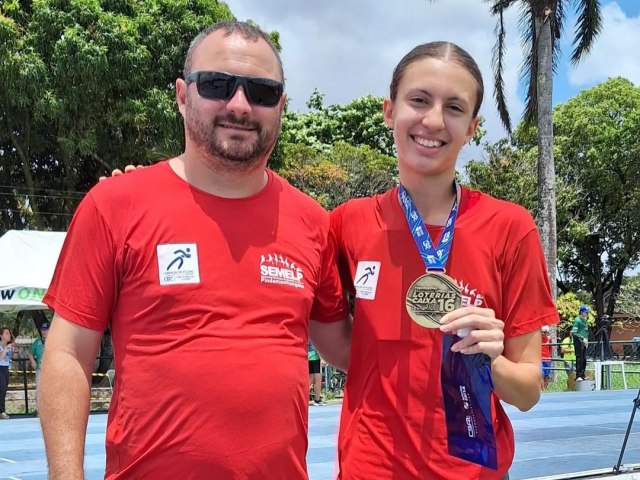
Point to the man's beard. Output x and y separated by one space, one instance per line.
235 151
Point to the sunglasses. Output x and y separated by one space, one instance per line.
262 92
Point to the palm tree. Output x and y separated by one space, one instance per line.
542 23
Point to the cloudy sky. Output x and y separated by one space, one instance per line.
349 48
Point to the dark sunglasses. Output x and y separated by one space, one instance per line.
263 92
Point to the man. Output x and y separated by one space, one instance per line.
35 356
207 267
568 354
580 334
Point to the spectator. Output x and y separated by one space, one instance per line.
580 334
546 356
7 349
568 354
315 374
35 356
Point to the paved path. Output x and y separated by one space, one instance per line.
565 432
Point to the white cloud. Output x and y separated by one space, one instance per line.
615 52
349 49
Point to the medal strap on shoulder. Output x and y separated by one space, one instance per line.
434 257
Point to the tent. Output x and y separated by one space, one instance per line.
27 261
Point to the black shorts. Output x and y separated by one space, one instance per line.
314 366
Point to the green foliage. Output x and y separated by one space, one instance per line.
91 88
568 305
342 173
628 301
597 153
599 150
359 122
337 152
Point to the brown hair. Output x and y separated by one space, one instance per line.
2 329
248 32
444 51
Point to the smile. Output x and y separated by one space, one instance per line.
428 143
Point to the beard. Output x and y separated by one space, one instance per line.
235 151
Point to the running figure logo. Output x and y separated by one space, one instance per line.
366 279
178 263
369 271
181 255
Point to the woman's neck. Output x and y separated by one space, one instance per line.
432 197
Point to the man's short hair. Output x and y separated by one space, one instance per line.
248 32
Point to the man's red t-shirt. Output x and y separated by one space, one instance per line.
393 422
208 300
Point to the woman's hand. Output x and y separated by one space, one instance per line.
484 332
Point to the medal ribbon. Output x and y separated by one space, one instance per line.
435 258
465 379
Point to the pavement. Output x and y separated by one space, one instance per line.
576 435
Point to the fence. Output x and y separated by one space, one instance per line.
21 396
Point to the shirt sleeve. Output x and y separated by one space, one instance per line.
528 304
85 282
336 217
329 304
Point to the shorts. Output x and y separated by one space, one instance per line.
570 366
314 366
546 369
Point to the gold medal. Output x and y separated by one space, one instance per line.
430 297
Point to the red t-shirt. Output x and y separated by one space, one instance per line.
208 300
546 348
393 421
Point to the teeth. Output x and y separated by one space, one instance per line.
429 143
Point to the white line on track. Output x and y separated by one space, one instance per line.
2 459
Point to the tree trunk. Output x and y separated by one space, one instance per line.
546 165
23 153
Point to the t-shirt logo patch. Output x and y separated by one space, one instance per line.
178 263
366 279
275 268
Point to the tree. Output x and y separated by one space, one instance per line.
344 172
91 88
599 148
359 122
628 300
597 152
542 23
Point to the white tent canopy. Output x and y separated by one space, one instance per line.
27 261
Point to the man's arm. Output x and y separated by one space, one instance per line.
333 341
516 373
65 387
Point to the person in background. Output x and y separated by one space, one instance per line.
545 352
7 349
580 335
315 374
35 356
568 353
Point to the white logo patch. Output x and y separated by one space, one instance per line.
178 263
275 268
366 279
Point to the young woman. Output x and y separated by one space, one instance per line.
6 351
496 289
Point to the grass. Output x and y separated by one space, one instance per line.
632 371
